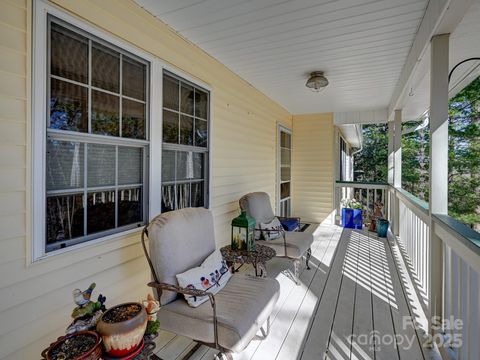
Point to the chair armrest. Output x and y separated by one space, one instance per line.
288 217
281 229
180 290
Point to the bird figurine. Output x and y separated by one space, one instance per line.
205 282
83 297
152 306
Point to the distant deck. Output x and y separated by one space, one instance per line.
350 305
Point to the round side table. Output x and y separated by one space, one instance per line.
258 257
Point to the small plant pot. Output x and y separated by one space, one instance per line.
83 345
122 328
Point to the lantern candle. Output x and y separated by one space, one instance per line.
243 229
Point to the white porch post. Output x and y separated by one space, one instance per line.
397 168
391 198
391 152
438 163
397 149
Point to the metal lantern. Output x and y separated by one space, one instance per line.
243 230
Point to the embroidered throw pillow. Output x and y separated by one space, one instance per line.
272 225
211 276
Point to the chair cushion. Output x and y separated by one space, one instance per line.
243 306
179 240
211 276
258 206
272 225
297 244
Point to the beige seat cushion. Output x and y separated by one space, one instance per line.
297 244
243 306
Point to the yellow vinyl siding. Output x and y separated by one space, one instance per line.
312 172
35 299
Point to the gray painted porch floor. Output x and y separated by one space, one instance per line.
350 305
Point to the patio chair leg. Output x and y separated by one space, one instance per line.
263 331
307 260
192 351
296 264
224 356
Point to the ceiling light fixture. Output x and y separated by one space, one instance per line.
317 81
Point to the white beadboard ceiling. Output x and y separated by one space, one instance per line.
361 45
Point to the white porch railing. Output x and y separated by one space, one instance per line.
460 260
460 280
461 283
367 193
414 239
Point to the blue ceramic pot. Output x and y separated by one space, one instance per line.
382 227
352 218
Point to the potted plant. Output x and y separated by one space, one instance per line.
82 345
352 214
122 328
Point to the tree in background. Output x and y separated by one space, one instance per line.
464 155
415 159
371 163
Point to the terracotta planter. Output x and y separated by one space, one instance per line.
121 338
94 353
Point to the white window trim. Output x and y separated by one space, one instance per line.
168 70
39 121
282 128
180 73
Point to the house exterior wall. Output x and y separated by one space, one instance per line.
313 166
35 298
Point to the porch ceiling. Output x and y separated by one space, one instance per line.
361 45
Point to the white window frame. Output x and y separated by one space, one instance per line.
39 130
159 81
168 70
281 128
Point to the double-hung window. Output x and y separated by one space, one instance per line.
185 144
97 137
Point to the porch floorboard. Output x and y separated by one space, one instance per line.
354 290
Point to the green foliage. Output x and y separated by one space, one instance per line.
351 203
415 158
464 155
463 162
373 159
152 327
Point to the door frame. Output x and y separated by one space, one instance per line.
282 128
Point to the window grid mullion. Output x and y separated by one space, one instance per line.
121 99
117 202
179 108
89 106
194 122
85 187
181 113
96 88
49 72
175 186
